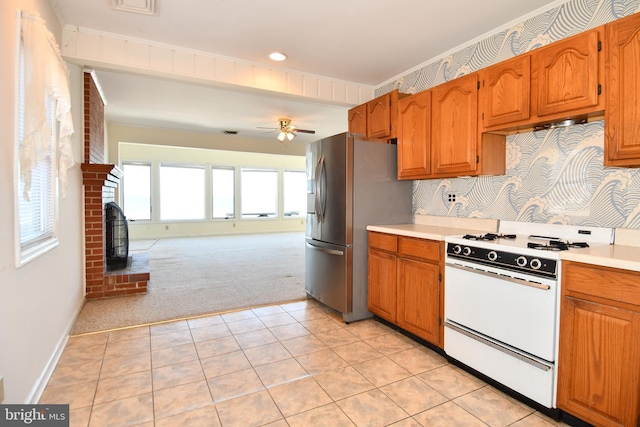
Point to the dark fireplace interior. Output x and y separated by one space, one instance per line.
117 237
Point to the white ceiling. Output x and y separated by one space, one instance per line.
360 41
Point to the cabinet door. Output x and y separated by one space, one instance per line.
622 115
382 285
454 130
358 120
505 92
414 136
379 116
566 74
419 299
599 363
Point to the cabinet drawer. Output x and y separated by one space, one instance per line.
613 284
419 248
385 242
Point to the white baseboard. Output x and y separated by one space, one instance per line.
43 379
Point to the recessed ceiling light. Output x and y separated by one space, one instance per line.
277 56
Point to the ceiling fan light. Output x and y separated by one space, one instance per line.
281 136
291 135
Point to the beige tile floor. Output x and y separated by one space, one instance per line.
292 365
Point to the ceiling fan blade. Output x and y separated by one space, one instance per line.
305 131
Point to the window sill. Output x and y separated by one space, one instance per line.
28 255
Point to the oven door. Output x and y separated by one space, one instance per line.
503 327
514 309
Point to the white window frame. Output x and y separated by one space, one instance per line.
302 213
204 194
235 193
277 199
26 252
151 180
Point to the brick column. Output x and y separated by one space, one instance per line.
100 182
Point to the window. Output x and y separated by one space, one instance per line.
222 193
36 207
182 192
136 189
259 193
295 193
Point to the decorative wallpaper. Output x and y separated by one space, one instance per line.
554 176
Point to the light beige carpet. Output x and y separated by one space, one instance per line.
202 275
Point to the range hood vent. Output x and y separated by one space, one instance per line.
560 124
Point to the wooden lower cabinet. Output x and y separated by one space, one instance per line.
599 359
405 285
382 284
419 299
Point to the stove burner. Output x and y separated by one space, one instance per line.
557 245
488 236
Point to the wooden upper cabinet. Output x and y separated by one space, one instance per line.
622 115
358 120
454 135
505 92
414 136
378 118
566 75
382 115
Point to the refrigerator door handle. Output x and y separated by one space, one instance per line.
321 196
326 251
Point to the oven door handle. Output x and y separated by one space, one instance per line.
498 276
451 325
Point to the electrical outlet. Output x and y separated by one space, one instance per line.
451 197
234 225
1 389
166 227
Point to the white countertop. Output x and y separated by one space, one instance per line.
431 232
624 256
615 256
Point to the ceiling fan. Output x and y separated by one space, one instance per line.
286 130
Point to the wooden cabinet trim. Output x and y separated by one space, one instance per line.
419 248
615 285
383 241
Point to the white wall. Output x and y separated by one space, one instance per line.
39 301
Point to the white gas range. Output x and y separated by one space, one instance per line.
502 301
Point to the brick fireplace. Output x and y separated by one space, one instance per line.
100 182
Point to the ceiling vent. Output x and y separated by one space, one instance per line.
230 132
144 7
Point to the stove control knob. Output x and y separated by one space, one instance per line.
535 264
457 249
466 251
521 261
492 256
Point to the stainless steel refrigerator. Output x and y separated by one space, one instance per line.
351 183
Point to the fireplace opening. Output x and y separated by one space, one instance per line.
117 237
